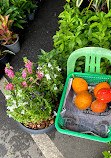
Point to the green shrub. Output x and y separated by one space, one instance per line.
78 29
17 10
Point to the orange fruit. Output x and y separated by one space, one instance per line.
98 107
79 85
83 100
100 86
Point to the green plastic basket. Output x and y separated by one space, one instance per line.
59 122
92 74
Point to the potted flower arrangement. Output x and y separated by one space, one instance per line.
7 37
33 94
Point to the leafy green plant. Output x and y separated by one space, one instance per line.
100 29
6 35
78 30
17 10
24 5
33 92
16 14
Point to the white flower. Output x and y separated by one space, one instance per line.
58 68
15 106
47 76
55 88
50 66
39 68
14 101
25 103
8 96
55 113
20 104
10 108
9 115
41 73
19 93
22 112
55 75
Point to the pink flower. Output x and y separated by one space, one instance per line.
40 74
6 70
11 67
9 87
29 70
24 73
10 74
27 65
30 63
24 84
31 79
37 83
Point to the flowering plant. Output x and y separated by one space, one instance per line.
33 92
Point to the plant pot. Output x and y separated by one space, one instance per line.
36 131
4 58
15 47
2 70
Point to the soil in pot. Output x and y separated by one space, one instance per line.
39 125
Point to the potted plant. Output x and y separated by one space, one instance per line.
7 37
33 94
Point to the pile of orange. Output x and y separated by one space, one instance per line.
83 99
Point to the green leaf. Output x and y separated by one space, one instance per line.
18 25
79 41
93 18
62 47
6 3
108 15
95 24
106 154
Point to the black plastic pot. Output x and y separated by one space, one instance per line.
4 59
2 70
34 131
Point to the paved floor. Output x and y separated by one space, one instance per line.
14 143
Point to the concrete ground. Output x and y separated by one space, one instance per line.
14 143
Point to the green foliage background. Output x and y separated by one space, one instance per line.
82 29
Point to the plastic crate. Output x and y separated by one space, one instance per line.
59 122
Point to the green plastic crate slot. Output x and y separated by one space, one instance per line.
92 74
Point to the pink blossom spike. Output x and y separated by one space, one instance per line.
24 84
24 73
